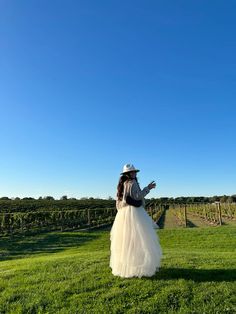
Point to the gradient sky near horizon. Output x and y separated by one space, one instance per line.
87 86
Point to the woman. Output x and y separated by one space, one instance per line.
135 248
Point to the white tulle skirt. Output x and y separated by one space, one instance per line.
135 250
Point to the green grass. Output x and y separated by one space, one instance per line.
69 273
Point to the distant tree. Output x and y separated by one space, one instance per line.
5 198
215 198
233 197
164 199
207 199
28 198
110 198
200 199
180 200
224 199
64 198
49 198
191 199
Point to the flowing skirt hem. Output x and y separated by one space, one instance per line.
135 247
135 272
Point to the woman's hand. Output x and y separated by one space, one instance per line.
152 185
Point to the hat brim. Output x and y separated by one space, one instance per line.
136 170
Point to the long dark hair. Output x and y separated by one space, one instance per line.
120 187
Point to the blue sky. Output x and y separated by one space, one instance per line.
87 86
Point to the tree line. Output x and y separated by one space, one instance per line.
46 204
28 204
195 199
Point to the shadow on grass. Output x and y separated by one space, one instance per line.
19 246
191 224
161 221
197 275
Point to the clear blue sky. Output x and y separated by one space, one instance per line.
87 86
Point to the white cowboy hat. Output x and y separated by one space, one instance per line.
128 168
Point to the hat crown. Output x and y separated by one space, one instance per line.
129 167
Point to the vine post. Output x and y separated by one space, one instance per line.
111 214
152 212
219 212
185 215
205 211
88 211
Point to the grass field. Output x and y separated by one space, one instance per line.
69 273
